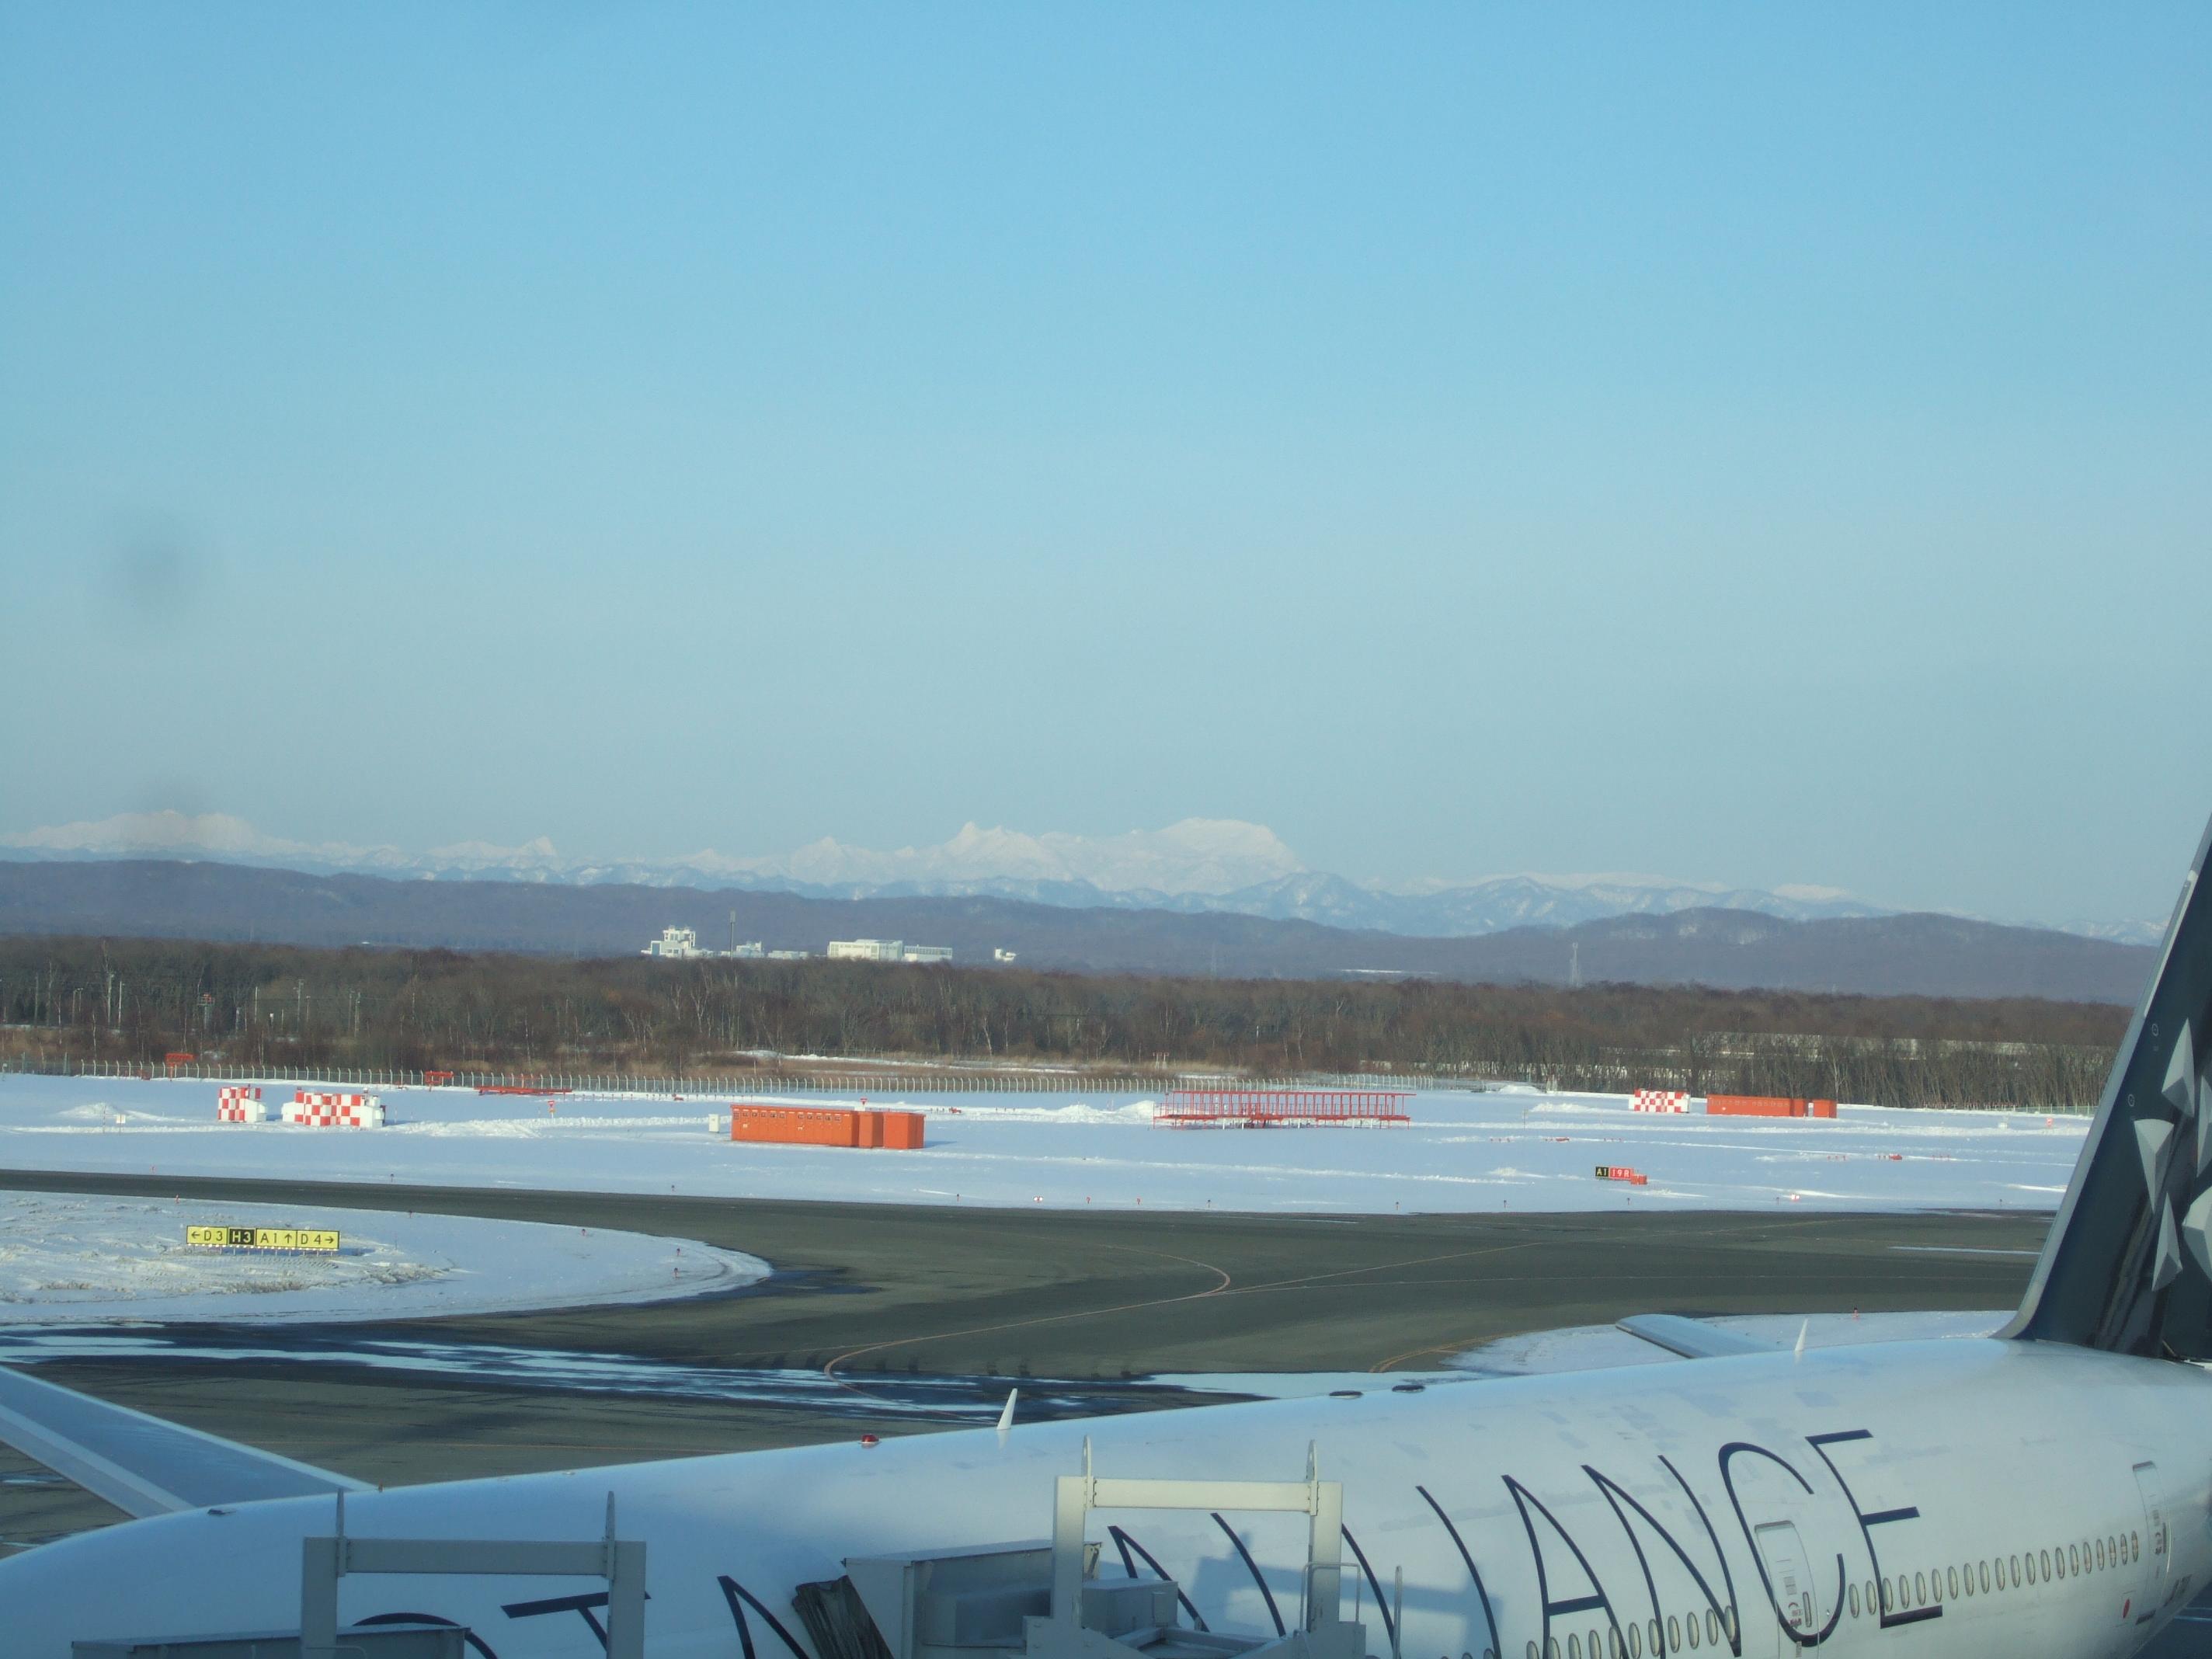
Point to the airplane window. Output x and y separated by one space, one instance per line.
1532 1650
1658 1640
2046 1565
1954 1575
1690 1629
1855 1601
2016 1573
1674 1634
1712 1627
2101 1555
1984 1569
1885 1595
1919 1588
1551 1647
2135 1546
1967 1572
1636 1642
1593 1645
1574 1646
2073 1560
2112 1550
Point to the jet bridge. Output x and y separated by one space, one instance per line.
1043 1598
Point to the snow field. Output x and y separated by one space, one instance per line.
75 1259
1505 1151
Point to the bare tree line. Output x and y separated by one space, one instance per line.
268 1007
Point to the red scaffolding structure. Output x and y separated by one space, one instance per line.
1269 1109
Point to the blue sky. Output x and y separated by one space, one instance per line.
1761 444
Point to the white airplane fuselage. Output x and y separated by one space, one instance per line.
1768 1495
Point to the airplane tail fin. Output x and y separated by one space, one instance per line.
2128 1265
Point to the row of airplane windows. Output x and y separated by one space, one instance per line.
1680 1634
1988 1577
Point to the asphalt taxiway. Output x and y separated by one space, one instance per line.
872 1298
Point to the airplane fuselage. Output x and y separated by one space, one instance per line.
1962 1499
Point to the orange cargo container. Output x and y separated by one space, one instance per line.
1753 1106
1823 1109
794 1126
819 1126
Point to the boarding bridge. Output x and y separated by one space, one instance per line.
1043 1598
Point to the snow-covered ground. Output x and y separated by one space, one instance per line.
75 1259
1464 1152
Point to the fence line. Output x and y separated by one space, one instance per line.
1607 1078
770 1082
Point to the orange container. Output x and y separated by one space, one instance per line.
1753 1106
1823 1109
819 1125
794 1126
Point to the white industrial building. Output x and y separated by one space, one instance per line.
886 950
682 944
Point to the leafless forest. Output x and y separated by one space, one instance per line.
268 1007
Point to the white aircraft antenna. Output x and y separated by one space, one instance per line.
1006 1415
1799 1350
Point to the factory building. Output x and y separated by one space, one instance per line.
681 945
886 950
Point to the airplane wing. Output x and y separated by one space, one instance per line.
1692 1338
141 1464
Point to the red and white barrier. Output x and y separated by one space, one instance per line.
239 1104
320 1109
1622 1172
1659 1100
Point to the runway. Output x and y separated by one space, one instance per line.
869 1296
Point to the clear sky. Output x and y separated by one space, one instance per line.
1760 443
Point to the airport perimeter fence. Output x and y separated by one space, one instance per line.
891 1081
774 1083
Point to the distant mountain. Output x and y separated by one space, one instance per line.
1198 866
1924 955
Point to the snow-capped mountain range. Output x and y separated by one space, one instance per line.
1195 865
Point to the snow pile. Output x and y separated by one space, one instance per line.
69 1258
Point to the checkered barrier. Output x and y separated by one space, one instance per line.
1659 1100
321 1109
239 1104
